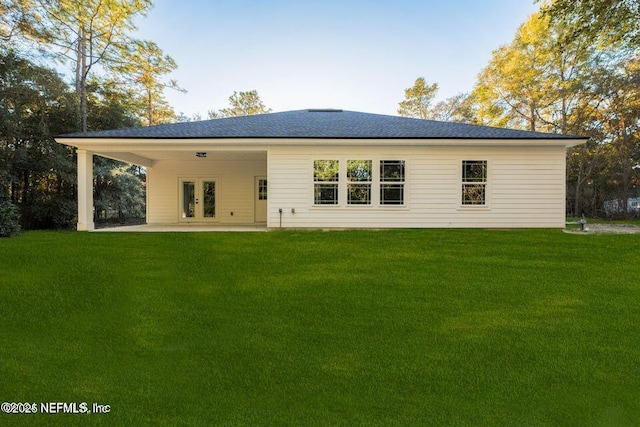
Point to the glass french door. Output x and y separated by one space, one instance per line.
197 200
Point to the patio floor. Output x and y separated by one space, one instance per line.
158 228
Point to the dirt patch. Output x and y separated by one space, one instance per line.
607 228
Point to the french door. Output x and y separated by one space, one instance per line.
197 201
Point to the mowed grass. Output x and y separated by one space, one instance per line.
394 327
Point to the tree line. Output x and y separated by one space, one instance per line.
572 68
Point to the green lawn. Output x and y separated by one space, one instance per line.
397 327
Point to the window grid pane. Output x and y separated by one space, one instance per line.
326 170
473 194
359 194
392 194
326 194
359 170
262 189
392 170
474 171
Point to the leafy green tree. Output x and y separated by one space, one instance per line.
111 105
515 89
119 188
241 104
619 119
9 213
95 37
119 192
554 79
35 104
610 21
458 108
418 99
17 19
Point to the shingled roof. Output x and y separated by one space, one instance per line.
323 123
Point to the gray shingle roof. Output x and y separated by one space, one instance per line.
319 124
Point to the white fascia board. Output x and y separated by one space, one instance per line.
141 144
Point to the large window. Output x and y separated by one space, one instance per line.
392 182
474 182
361 186
359 182
326 174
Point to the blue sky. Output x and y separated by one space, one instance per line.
355 55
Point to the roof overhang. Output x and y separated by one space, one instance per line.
145 152
118 144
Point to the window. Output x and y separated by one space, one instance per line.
325 182
362 184
262 189
392 182
359 182
474 182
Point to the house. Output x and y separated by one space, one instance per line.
616 206
328 168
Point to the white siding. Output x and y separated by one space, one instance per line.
234 188
526 187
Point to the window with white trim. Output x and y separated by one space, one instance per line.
474 182
392 174
359 176
326 174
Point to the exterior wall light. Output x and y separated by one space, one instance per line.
201 154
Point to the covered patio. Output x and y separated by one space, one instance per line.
192 186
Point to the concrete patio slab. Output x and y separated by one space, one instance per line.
180 228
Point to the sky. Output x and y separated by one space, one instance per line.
351 54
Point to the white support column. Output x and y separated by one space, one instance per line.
85 190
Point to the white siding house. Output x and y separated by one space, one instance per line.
336 169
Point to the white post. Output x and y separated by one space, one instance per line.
85 190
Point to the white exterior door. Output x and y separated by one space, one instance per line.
197 201
260 196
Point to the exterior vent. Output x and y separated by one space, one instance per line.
323 110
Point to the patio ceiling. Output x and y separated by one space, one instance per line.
147 158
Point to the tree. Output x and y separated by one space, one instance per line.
89 33
9 213
517 88
119 192
418 98
119 188
619 118
610 21
35 104
539 81
144 67
17 19
241 104
551 78
459 108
